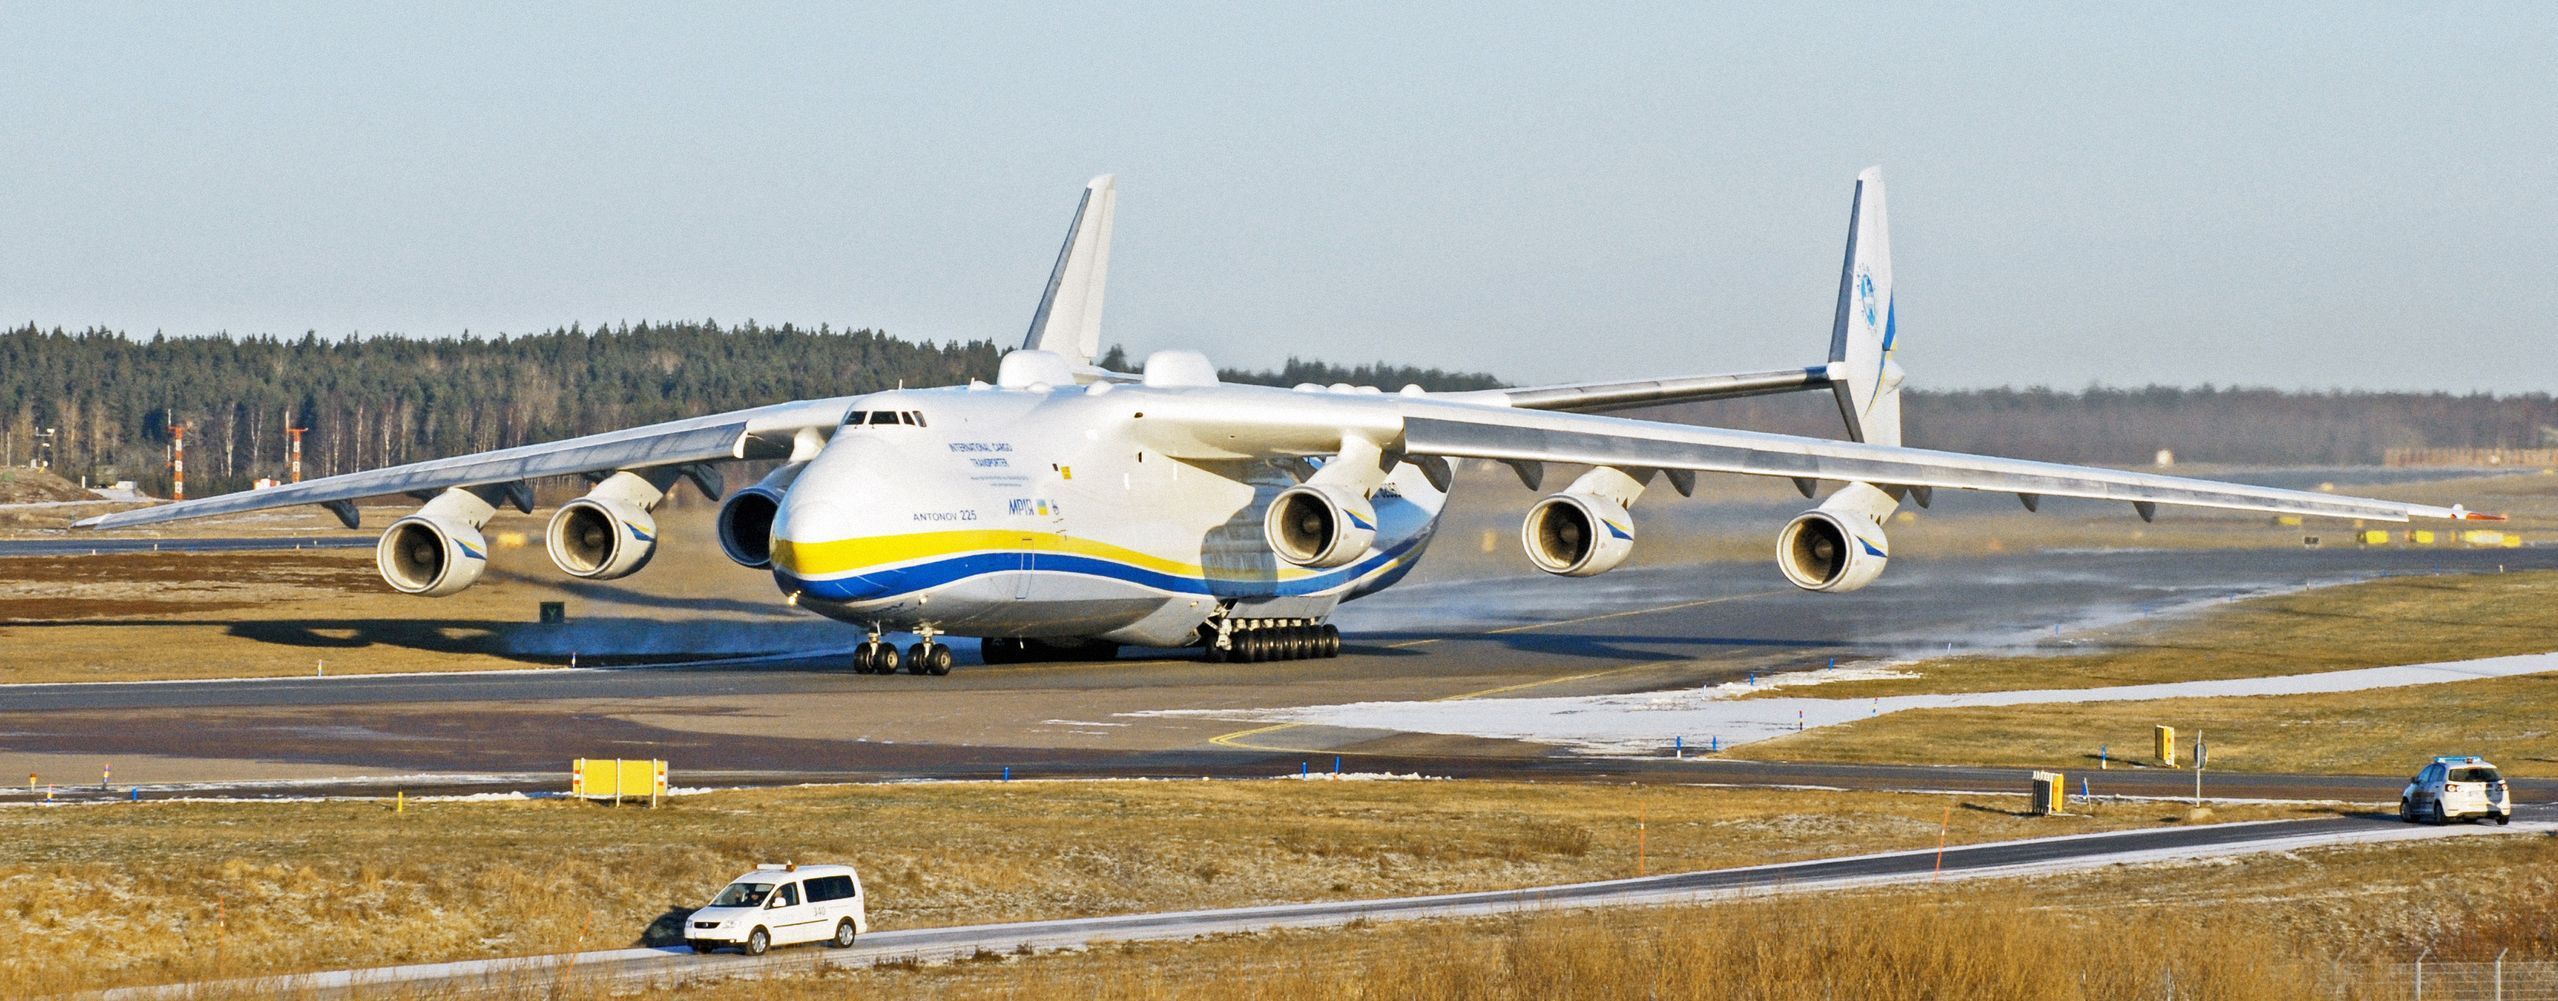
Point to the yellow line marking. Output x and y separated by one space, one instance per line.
1235 739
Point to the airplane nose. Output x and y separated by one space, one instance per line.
806 520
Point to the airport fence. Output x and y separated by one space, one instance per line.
2496 980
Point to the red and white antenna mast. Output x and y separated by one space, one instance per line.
177 462
296 464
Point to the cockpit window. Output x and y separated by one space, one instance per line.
873 418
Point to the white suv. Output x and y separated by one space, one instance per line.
780 905
2456 788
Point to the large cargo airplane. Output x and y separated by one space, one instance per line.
1063 510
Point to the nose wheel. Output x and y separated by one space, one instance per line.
875 657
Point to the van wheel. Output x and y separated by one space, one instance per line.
2504 818
843 934
757 943
701 946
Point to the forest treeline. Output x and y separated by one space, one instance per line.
376 401
379 401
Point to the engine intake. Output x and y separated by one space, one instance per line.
745 523
601 539
1836 547
1573 534
1320 525
431 554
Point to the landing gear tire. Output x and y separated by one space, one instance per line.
928 658
866 657
885 662
997 650
1331 641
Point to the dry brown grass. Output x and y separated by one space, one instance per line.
2381 623
2332 923
170 615
103 895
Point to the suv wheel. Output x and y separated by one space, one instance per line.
2406 810
758 942
2439 816
843 934
2504 818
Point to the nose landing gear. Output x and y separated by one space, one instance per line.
875 657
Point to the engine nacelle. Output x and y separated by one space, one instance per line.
431 554
1838 546
1320 525
609 533
745 524
1575 534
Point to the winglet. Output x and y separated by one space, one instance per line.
1863 334
1068 323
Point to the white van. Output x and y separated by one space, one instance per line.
781 905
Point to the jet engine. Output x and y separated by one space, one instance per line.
1320 525
1838 546
745 524
1577 534
608 533
437 551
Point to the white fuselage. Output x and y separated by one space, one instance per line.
1057 513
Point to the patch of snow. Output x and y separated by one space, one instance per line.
1647 723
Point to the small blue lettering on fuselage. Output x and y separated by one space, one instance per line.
981 446
960 515
993 463
1017 505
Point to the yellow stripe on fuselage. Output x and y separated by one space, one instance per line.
841 557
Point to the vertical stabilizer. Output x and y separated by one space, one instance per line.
1862 372
1068 323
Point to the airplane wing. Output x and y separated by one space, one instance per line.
771 432
1591 397
1457 430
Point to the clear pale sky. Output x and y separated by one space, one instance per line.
2338 195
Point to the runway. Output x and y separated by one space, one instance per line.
675 966
799 719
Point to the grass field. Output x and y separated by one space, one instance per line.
2381 731
2326 923
2380 623
104 895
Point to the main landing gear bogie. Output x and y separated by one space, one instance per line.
1282 642
875 657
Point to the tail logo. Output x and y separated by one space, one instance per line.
1865 295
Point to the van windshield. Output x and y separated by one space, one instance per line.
2475 773
743 895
